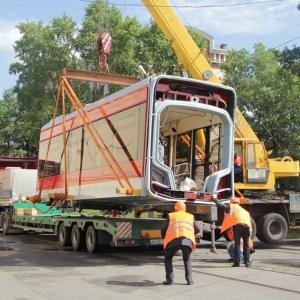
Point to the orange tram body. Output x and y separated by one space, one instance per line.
130 151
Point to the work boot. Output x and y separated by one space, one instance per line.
189 280
167 282
235 265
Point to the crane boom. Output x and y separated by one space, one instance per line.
190 58
256 176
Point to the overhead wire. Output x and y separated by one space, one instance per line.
143 5
194 6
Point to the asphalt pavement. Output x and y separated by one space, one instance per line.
33 267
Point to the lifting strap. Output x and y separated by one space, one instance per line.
88 124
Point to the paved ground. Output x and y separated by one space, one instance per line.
33 267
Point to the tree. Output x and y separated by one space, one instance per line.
290 60
155 52
268 96
14 138
42 52
132 44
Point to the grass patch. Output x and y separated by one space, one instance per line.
294 233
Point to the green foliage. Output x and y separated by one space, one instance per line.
14 133
42 52
290 60
268 96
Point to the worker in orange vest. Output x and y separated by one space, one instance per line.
178 232
238 168
239 219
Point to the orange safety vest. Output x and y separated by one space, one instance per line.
181 224
230 235
250 243
236 215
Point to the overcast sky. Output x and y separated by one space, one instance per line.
237 23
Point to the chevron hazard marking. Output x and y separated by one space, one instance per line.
202 209
124 230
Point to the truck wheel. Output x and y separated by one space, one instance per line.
91 239
258 225
207 235
5 225
225 235
76 237
254 229
64 235
273 228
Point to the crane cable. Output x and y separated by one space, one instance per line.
103 26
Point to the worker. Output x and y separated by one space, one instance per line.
178 232
230 246
238 171
239 219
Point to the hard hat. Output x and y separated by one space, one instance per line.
180 206
235 200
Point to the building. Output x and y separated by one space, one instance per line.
214 53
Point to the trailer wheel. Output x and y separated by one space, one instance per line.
91 239
273 228
64 235
5 225
76 237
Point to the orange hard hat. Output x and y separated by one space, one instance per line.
234 200
180 206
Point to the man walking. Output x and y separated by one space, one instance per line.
179 232
239 219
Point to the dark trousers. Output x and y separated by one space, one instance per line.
241 231
186 253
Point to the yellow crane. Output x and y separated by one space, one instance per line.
259 172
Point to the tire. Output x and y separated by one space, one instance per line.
273 228
76 237
258 226
254 229
207 235
64 235
225 235
91 240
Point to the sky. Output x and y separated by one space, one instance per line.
237 23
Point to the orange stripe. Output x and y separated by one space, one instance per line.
119 104
97 175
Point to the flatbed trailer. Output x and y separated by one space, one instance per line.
80 230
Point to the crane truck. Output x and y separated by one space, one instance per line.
122 153
272 213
